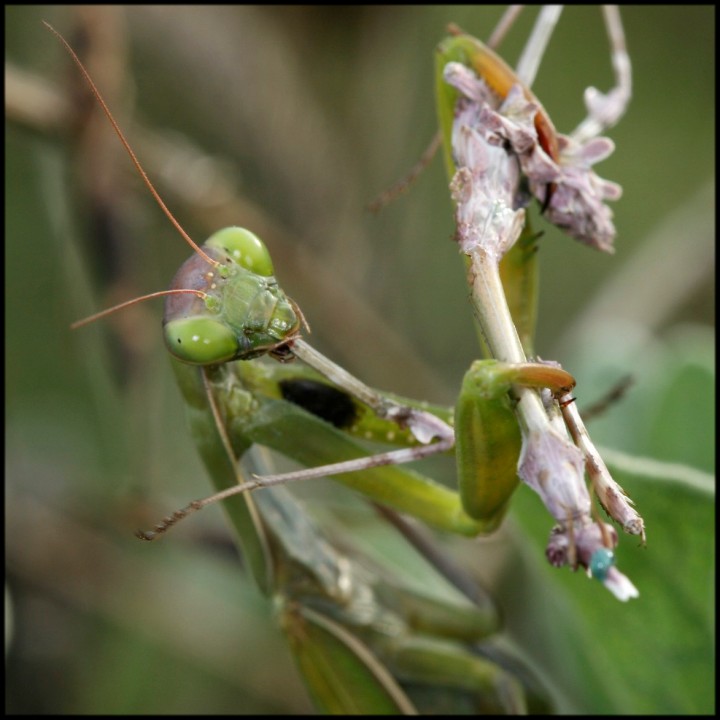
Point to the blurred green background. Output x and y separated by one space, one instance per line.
289 121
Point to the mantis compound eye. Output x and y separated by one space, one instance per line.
201 341
244 248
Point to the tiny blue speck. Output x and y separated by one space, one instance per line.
600 562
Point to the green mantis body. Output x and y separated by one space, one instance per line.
225 311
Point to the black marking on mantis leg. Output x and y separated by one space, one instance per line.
322 400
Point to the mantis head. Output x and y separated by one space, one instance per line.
239 311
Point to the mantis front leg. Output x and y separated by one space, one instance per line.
488 439
490 455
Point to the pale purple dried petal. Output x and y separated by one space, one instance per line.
486 183
541 170
555 470
585 154
576 204
500 130
518 108
620 585
514 124
591 537
467 82
514 121
423 425
581 539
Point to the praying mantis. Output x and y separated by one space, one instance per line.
235 399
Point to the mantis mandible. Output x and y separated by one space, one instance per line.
225 310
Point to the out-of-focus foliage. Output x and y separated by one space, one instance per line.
308 113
